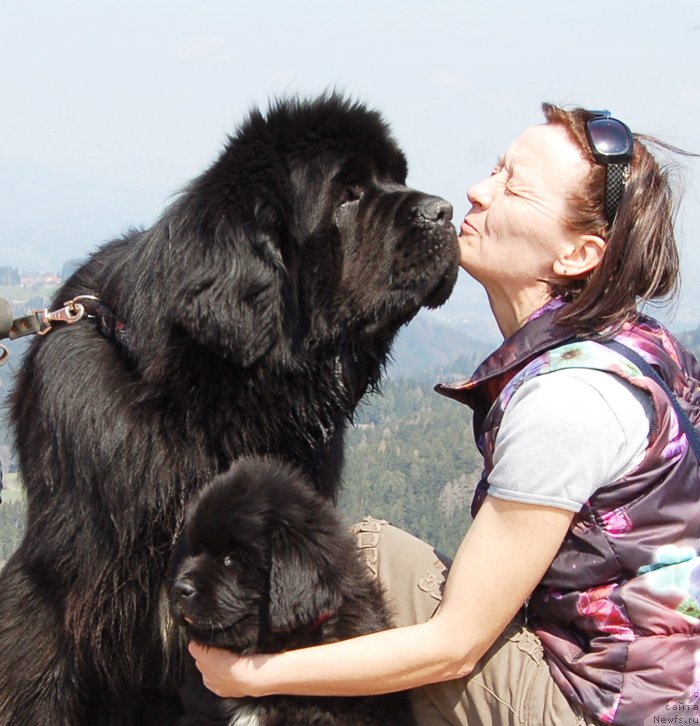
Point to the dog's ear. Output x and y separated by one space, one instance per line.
304 585
232 299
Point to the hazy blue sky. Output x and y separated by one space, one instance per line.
109 107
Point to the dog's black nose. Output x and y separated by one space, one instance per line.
184 588
434 209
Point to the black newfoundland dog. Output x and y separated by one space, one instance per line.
250 319
267 566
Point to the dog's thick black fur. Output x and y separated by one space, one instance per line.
267 566
252 317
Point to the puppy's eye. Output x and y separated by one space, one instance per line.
228 560
350 194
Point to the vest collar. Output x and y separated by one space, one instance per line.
539 334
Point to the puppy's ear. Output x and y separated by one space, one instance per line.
304 585
232 298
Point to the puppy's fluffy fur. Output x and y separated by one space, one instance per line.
267 566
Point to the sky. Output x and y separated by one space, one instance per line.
109 108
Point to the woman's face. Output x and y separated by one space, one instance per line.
515 229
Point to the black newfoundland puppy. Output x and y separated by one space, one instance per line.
251 318
267 566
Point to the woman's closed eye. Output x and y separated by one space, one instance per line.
504 178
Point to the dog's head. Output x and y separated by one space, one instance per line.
302 236
260 557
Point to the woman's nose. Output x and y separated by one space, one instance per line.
479 194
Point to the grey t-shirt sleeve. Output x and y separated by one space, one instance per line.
567 433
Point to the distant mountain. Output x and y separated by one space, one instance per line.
691 339
429 346
49 215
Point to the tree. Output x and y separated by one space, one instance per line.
410 459
9 276
69 267
11 528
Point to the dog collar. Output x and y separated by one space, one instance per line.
81 307
320 620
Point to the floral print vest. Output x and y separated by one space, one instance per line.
618 611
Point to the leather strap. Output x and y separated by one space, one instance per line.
690 430
82 307
27 325
6 316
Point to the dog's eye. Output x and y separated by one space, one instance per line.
352 193
228 560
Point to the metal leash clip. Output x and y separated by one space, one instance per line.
71 312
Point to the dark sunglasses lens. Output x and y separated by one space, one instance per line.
608 136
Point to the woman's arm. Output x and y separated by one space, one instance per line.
505 553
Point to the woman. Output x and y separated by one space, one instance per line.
575 595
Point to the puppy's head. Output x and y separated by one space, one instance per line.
258 557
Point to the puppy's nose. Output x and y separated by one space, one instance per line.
184 589
434 209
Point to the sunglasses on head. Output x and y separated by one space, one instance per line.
612 145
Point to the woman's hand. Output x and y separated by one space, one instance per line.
225 674
507 549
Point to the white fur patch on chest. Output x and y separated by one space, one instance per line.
246 715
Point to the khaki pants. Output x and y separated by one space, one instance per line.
511 686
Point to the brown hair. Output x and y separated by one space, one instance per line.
640 261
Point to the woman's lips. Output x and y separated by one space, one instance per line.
465 227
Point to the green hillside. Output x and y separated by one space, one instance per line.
411 459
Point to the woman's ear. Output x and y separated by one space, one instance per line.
582 257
